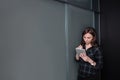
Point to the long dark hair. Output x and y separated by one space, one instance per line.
92 31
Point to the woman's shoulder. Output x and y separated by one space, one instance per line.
97 48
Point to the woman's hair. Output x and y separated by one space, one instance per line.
91 31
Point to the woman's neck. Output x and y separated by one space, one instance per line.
87 46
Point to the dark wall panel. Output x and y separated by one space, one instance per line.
110 30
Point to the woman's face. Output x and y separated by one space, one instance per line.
88 38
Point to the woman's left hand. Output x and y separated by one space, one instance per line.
84 57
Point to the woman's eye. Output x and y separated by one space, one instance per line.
88 37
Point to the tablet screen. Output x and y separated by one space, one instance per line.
78 51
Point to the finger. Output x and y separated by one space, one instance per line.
81 54
84 54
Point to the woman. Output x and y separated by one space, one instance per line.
91 61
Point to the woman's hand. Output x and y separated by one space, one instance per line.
87 59
77 57
84 57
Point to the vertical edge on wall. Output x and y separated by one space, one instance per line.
99 31
66 40
93 25
99 23
93 20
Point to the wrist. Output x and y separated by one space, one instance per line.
93 63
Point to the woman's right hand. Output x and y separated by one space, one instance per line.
80 46
77 57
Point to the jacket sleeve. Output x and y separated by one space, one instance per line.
98 58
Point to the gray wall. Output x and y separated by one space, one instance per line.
38 39
32 40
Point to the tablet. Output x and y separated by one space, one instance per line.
78 50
